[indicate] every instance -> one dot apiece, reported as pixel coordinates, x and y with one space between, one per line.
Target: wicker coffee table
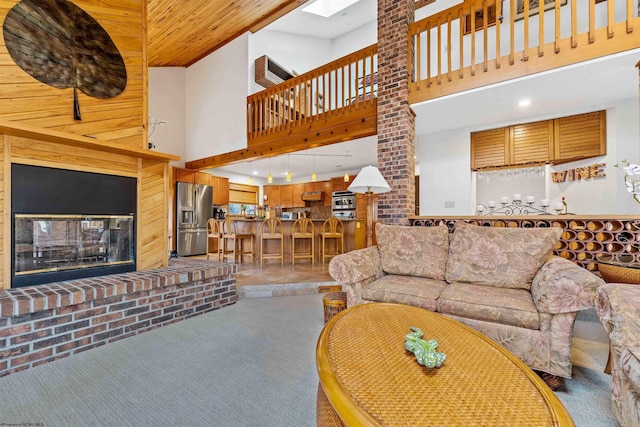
367 378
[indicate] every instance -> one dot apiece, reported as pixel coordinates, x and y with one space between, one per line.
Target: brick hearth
40 324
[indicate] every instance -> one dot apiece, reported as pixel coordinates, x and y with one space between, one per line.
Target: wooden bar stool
214 235
302 229
332 229
237 240
271 229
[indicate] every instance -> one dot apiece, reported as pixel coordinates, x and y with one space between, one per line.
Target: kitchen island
354 237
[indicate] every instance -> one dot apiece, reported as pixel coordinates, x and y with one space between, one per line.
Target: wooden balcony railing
480 42
337 88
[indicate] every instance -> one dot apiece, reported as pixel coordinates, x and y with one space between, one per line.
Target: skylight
327 8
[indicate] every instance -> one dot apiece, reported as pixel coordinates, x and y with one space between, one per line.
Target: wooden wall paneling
152 216
531 142
48 154
580 136
24 99
490 148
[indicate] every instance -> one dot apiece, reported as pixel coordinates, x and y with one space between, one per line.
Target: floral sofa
503 282
618 307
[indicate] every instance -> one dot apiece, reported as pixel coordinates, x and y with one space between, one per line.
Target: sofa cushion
513 307
494 256
413 251
409 290
630 366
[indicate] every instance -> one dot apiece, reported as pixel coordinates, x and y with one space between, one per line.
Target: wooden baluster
557 38
461 48
592 21
439 70
541 31
417 49
485 32
629 16
512 53
449 47
498 22
473 41
525 49
610 17
574 24
428 37
374 76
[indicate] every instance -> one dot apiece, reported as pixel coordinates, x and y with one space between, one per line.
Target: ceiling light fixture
269 177
250 177
288 175
524 103
326 8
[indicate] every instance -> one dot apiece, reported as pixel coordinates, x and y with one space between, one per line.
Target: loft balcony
473 44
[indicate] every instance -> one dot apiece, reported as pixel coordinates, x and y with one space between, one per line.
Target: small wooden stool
334 303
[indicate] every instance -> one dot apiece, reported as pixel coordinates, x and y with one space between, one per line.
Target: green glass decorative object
424 351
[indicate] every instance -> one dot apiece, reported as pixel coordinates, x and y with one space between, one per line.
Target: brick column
396 120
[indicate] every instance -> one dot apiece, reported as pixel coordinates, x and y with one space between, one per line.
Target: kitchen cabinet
339 184
558 140
286 196
273 195
531 142
310 186
325 187
220 190
580 136
489 148
297 190
202 178
184 175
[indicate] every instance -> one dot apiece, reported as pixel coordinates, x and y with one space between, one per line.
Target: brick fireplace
70 224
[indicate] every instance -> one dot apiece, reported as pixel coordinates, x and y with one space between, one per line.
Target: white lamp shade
369 180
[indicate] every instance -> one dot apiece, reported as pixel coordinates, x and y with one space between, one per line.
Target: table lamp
369 182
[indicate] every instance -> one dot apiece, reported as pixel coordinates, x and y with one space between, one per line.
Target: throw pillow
413 251
496 256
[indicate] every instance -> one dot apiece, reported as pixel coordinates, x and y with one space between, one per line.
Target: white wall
359 38
167 102
445 173
216 91
445 168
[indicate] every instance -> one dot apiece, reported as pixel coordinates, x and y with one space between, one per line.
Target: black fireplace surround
87 219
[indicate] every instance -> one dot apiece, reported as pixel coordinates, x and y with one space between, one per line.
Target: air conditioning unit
270 73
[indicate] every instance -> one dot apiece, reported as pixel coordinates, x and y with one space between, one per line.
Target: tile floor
273 279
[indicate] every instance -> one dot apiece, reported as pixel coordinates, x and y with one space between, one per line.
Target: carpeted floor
251 364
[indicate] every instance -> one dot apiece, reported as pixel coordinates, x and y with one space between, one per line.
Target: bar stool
332 229
302 229
214 234
271 229
237 250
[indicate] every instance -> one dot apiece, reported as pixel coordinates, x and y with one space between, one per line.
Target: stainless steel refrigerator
193 210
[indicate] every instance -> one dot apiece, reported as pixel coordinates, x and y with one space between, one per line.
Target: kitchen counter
354 237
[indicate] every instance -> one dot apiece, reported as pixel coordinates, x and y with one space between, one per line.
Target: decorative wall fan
61 45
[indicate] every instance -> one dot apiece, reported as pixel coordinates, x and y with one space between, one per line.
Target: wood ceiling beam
422 3
354 124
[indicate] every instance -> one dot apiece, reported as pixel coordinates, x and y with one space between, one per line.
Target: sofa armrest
356 266
560 286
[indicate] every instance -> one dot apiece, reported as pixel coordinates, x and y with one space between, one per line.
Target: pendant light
250 177
314 177
346 165
269 177
288 175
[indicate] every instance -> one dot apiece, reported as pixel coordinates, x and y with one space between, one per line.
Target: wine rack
583 239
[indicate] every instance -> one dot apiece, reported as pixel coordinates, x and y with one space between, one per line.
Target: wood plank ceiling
184 31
